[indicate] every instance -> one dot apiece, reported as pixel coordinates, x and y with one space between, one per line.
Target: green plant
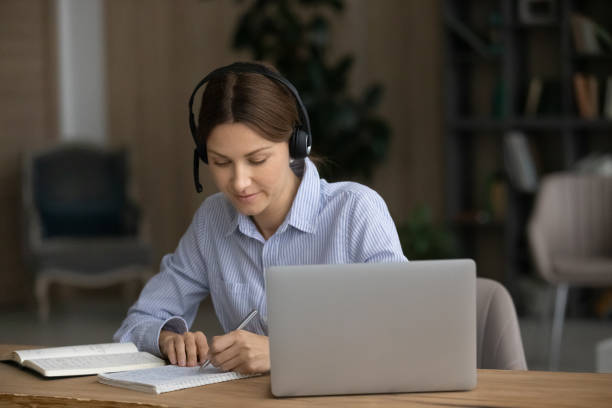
421 238
294 35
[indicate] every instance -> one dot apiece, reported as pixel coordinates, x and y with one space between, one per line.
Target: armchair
499 342
570 236
80 227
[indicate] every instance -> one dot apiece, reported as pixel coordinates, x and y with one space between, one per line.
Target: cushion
594 271
80 191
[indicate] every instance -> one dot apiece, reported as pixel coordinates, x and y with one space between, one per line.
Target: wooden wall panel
398 43
27 120
405 50
156 54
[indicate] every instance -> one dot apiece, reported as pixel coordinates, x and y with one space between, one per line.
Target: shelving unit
490 58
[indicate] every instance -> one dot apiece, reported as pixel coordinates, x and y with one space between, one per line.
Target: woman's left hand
240 351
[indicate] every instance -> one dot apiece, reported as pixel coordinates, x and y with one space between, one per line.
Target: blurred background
485 125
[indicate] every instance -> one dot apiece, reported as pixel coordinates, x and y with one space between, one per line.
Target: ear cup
299 146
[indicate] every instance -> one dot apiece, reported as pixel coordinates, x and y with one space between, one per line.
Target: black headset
300 142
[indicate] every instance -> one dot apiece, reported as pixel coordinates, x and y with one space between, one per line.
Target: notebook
372 328
168 378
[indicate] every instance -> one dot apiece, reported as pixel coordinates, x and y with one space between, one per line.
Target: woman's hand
189 348
241 351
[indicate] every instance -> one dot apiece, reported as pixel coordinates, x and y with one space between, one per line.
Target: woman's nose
241 178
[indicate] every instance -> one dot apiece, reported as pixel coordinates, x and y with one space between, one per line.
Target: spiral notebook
168 378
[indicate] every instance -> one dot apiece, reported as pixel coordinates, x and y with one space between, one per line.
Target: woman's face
251 171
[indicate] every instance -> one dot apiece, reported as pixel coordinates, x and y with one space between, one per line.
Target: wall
27 119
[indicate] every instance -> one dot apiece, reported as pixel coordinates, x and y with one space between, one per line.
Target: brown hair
253 99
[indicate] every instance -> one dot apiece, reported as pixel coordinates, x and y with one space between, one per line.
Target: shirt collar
305 207
237 220
303 212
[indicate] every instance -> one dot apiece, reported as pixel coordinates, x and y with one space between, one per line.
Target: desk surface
22 387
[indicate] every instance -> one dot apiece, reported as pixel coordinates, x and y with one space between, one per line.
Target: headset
300 141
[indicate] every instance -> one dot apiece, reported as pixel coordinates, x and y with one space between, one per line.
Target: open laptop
372 328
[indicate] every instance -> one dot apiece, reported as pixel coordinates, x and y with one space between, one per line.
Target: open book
84 360
168 378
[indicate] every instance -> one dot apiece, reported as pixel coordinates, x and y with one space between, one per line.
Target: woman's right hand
186 349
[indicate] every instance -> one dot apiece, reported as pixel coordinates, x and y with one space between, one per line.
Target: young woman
272 209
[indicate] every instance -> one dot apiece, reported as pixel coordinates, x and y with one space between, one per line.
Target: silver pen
244 322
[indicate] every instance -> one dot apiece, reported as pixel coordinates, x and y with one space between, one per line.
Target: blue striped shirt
223 254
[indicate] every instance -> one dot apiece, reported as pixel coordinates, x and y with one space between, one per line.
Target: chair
80 228
499 343
570 237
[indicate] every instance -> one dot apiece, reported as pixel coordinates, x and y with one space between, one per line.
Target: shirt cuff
176 324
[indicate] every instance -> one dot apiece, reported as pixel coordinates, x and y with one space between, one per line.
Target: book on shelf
519 162
593 95
607 108
542 97
588 35
534 94
84 359
604 36
587 95
497 196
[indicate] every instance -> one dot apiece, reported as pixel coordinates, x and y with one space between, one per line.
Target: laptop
372 328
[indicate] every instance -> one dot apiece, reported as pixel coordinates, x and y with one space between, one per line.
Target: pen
244 322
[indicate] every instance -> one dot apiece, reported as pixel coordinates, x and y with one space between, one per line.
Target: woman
272 209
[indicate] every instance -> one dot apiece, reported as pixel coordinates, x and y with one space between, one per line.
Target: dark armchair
80 227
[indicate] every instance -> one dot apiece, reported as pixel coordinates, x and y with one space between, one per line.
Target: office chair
499 343
80 227
570 237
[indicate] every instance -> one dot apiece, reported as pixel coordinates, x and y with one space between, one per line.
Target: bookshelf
496 61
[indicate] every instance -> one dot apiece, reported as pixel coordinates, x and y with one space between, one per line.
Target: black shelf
478 114
592 57
540 26
540 123
477 124
591 124
467 57
529 123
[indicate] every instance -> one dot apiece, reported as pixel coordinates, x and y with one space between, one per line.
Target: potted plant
421 238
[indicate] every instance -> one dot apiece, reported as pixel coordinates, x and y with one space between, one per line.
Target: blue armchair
80 227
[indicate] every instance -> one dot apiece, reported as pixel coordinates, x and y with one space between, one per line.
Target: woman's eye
257 162
221 164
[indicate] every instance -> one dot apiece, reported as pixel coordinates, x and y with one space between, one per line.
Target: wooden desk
22 387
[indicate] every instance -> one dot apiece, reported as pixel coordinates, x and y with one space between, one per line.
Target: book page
94 364
73 351
168 378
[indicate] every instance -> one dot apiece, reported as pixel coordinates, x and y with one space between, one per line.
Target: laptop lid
372 328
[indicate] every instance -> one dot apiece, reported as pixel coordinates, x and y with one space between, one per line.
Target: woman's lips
245 198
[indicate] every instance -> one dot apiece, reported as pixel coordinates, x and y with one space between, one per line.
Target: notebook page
83 350
168 378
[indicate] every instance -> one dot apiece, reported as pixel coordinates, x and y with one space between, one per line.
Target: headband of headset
300 142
